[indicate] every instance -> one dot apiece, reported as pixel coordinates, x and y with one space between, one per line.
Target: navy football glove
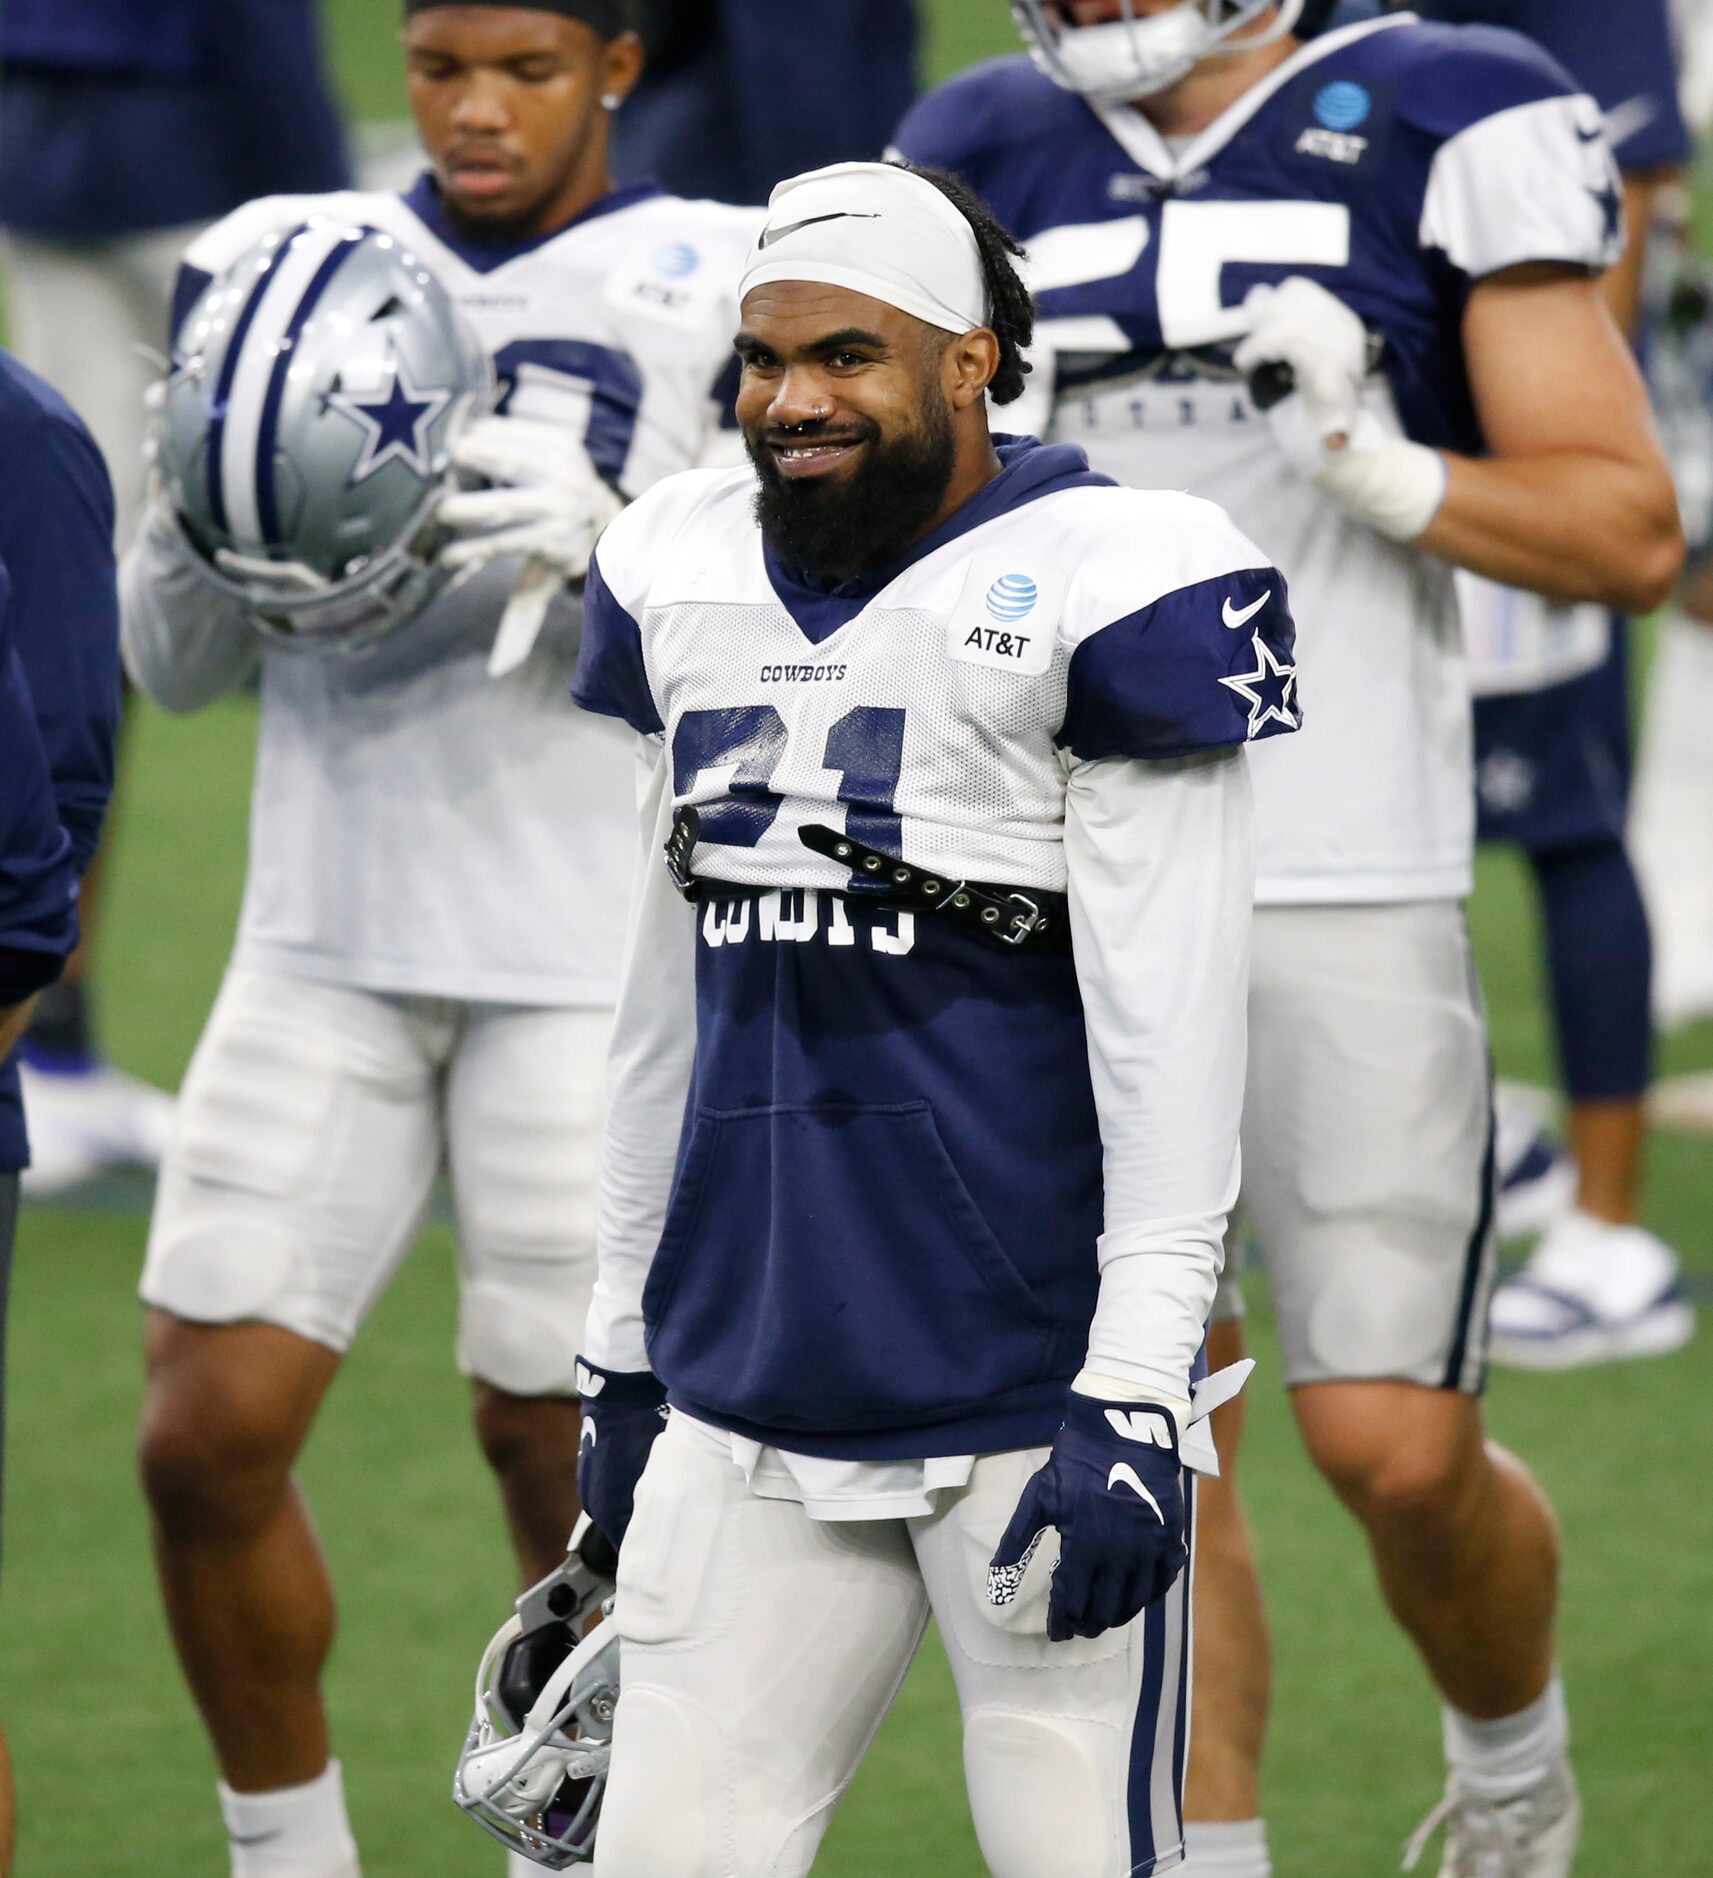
1113 1487
623 1411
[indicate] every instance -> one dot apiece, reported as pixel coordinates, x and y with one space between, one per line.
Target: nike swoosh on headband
1234 619
1123 1472
770 235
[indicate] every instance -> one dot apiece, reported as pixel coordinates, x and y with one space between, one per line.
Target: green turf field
114 1772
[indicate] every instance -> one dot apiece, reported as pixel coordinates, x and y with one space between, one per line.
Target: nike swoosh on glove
1113 1487
623 1412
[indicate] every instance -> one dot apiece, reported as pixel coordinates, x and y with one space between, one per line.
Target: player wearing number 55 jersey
910 1213
1396 225
441 848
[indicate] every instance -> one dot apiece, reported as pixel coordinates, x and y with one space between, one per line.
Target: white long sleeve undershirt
185 642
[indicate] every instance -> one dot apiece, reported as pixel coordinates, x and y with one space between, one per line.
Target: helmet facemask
533 1772
1136 56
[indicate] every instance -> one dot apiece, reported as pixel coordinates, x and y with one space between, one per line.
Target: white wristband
1105 1388
1394 485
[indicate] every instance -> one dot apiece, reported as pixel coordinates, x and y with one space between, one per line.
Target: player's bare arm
1575 501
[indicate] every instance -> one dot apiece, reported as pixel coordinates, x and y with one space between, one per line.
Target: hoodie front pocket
825 1267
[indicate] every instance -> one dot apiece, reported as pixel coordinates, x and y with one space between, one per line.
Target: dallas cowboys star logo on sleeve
395 422
1270 690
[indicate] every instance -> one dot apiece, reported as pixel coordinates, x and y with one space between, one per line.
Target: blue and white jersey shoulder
619 325
1624 59
932 710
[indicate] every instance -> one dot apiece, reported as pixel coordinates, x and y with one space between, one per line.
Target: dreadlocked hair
1011 312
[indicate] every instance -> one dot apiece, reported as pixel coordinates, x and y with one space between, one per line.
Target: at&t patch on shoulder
1008 615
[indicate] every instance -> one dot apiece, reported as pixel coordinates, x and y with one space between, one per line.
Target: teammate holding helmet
441 843
1394 230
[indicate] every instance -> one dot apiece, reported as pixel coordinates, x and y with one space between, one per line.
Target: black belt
1016 919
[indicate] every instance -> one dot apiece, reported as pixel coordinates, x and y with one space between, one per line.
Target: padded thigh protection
761 1649
1073 1752
302 1161
523 1124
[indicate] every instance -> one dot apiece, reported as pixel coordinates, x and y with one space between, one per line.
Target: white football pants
762 1649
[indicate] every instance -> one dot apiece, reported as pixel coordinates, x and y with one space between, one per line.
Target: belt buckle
1023 924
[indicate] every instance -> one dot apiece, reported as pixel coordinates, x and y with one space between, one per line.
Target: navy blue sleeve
56 539
1621 56
611 677
1202 668
38 880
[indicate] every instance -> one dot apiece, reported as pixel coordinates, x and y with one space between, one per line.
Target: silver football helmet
533 1772
306 426
1135 56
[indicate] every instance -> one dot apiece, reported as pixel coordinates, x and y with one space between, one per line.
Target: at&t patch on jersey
1008 614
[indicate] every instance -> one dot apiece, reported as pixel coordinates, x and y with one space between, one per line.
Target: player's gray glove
1113 1486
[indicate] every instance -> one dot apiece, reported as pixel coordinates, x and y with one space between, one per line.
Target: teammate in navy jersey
739 93
125 126
911 1212
1552 767
1346 289
59 703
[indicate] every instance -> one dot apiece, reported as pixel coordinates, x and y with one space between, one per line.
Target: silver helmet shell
1136 55
533 1772
306 427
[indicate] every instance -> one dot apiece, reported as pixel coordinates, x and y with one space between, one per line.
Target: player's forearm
1162 876
1572 527
648 1077
185 643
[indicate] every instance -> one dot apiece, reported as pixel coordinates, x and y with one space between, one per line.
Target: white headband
878 230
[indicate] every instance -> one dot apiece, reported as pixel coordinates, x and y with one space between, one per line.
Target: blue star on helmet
1269 691
395 423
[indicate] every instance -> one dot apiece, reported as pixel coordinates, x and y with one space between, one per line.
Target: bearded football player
912 1208
393 428
1345 286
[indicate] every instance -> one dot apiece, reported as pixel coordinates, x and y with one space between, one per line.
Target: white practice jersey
1397 164
418 826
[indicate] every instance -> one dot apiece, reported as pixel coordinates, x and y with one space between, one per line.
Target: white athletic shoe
88 1122
1591 1293
1533 1835
1537 1178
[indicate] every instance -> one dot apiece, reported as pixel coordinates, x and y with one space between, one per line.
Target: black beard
833 529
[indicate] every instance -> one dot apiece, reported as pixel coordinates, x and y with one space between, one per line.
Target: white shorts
1368 1142
762 1648
311 1127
